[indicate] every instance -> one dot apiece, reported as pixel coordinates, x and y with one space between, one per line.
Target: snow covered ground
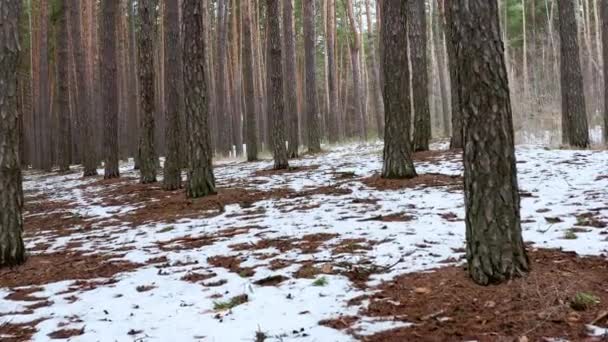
333 233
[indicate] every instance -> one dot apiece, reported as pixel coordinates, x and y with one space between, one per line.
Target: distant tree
291 97
457 133
109 86
251 129
418 56
276 106
495 248
397 149
12 250
312 112
63 96
604 11
172 173
575 130
201 181
332 77
355 44
145 41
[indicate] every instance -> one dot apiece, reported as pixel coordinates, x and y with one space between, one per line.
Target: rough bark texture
44 90
63 96
575 131
312 115
377 88
82 99
276 108
355 44
145 53
291 97
251 129
418 56
223 113
457 140
201 181
109 86
12 250
332 77
397 150
172 179
495 249
604 11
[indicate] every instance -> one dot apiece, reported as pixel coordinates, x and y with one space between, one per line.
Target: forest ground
326 251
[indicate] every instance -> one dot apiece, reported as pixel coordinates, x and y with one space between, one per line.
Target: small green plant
583 301
166 229
322 281
227 305
570 235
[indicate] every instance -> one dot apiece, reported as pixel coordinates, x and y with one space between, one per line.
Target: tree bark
63 96
604 13
251 129
223 116
172 172
397 150
312 112
418 56
276 109
12 250
291 98
355 44
495 248
332 77
201 181
145 56
109 86
457 133
377 86
574 114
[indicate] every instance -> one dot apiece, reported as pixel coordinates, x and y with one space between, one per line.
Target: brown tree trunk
63 153
291 98
574 114
44 91
418 56
377 84
201 181
441 70
397 150
145 53
109 86
332 77
312 112
604 11
495 248
12 250
251 129
355 44
457 140
276 107
223 116
172 172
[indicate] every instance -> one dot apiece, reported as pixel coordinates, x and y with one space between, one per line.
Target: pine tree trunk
495 248
457 133
355 45
604 11
332 79
291 98
172 172
377 85
145 54
44 91
63 153
109 86
417 39
201 181
12 250
440 50
574 114
397 150
222 75
251 129
312 112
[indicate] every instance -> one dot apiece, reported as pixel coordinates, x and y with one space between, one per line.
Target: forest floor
326 251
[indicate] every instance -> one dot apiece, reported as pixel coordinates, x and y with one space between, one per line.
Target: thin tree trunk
604 11
332 77
457 124
377 85
291 97
355 44
63 76
251 129
312 113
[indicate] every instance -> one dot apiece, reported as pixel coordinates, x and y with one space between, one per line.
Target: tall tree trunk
441 70
172 179
397 150
109 86
495 248
82 99
133 108
332 77
312 112
276 108
457 133
222 75
145 54
45 90
377 85
63 153
291 98
251 129
12 250
574 114
355 44
604 11
201 181
418 56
